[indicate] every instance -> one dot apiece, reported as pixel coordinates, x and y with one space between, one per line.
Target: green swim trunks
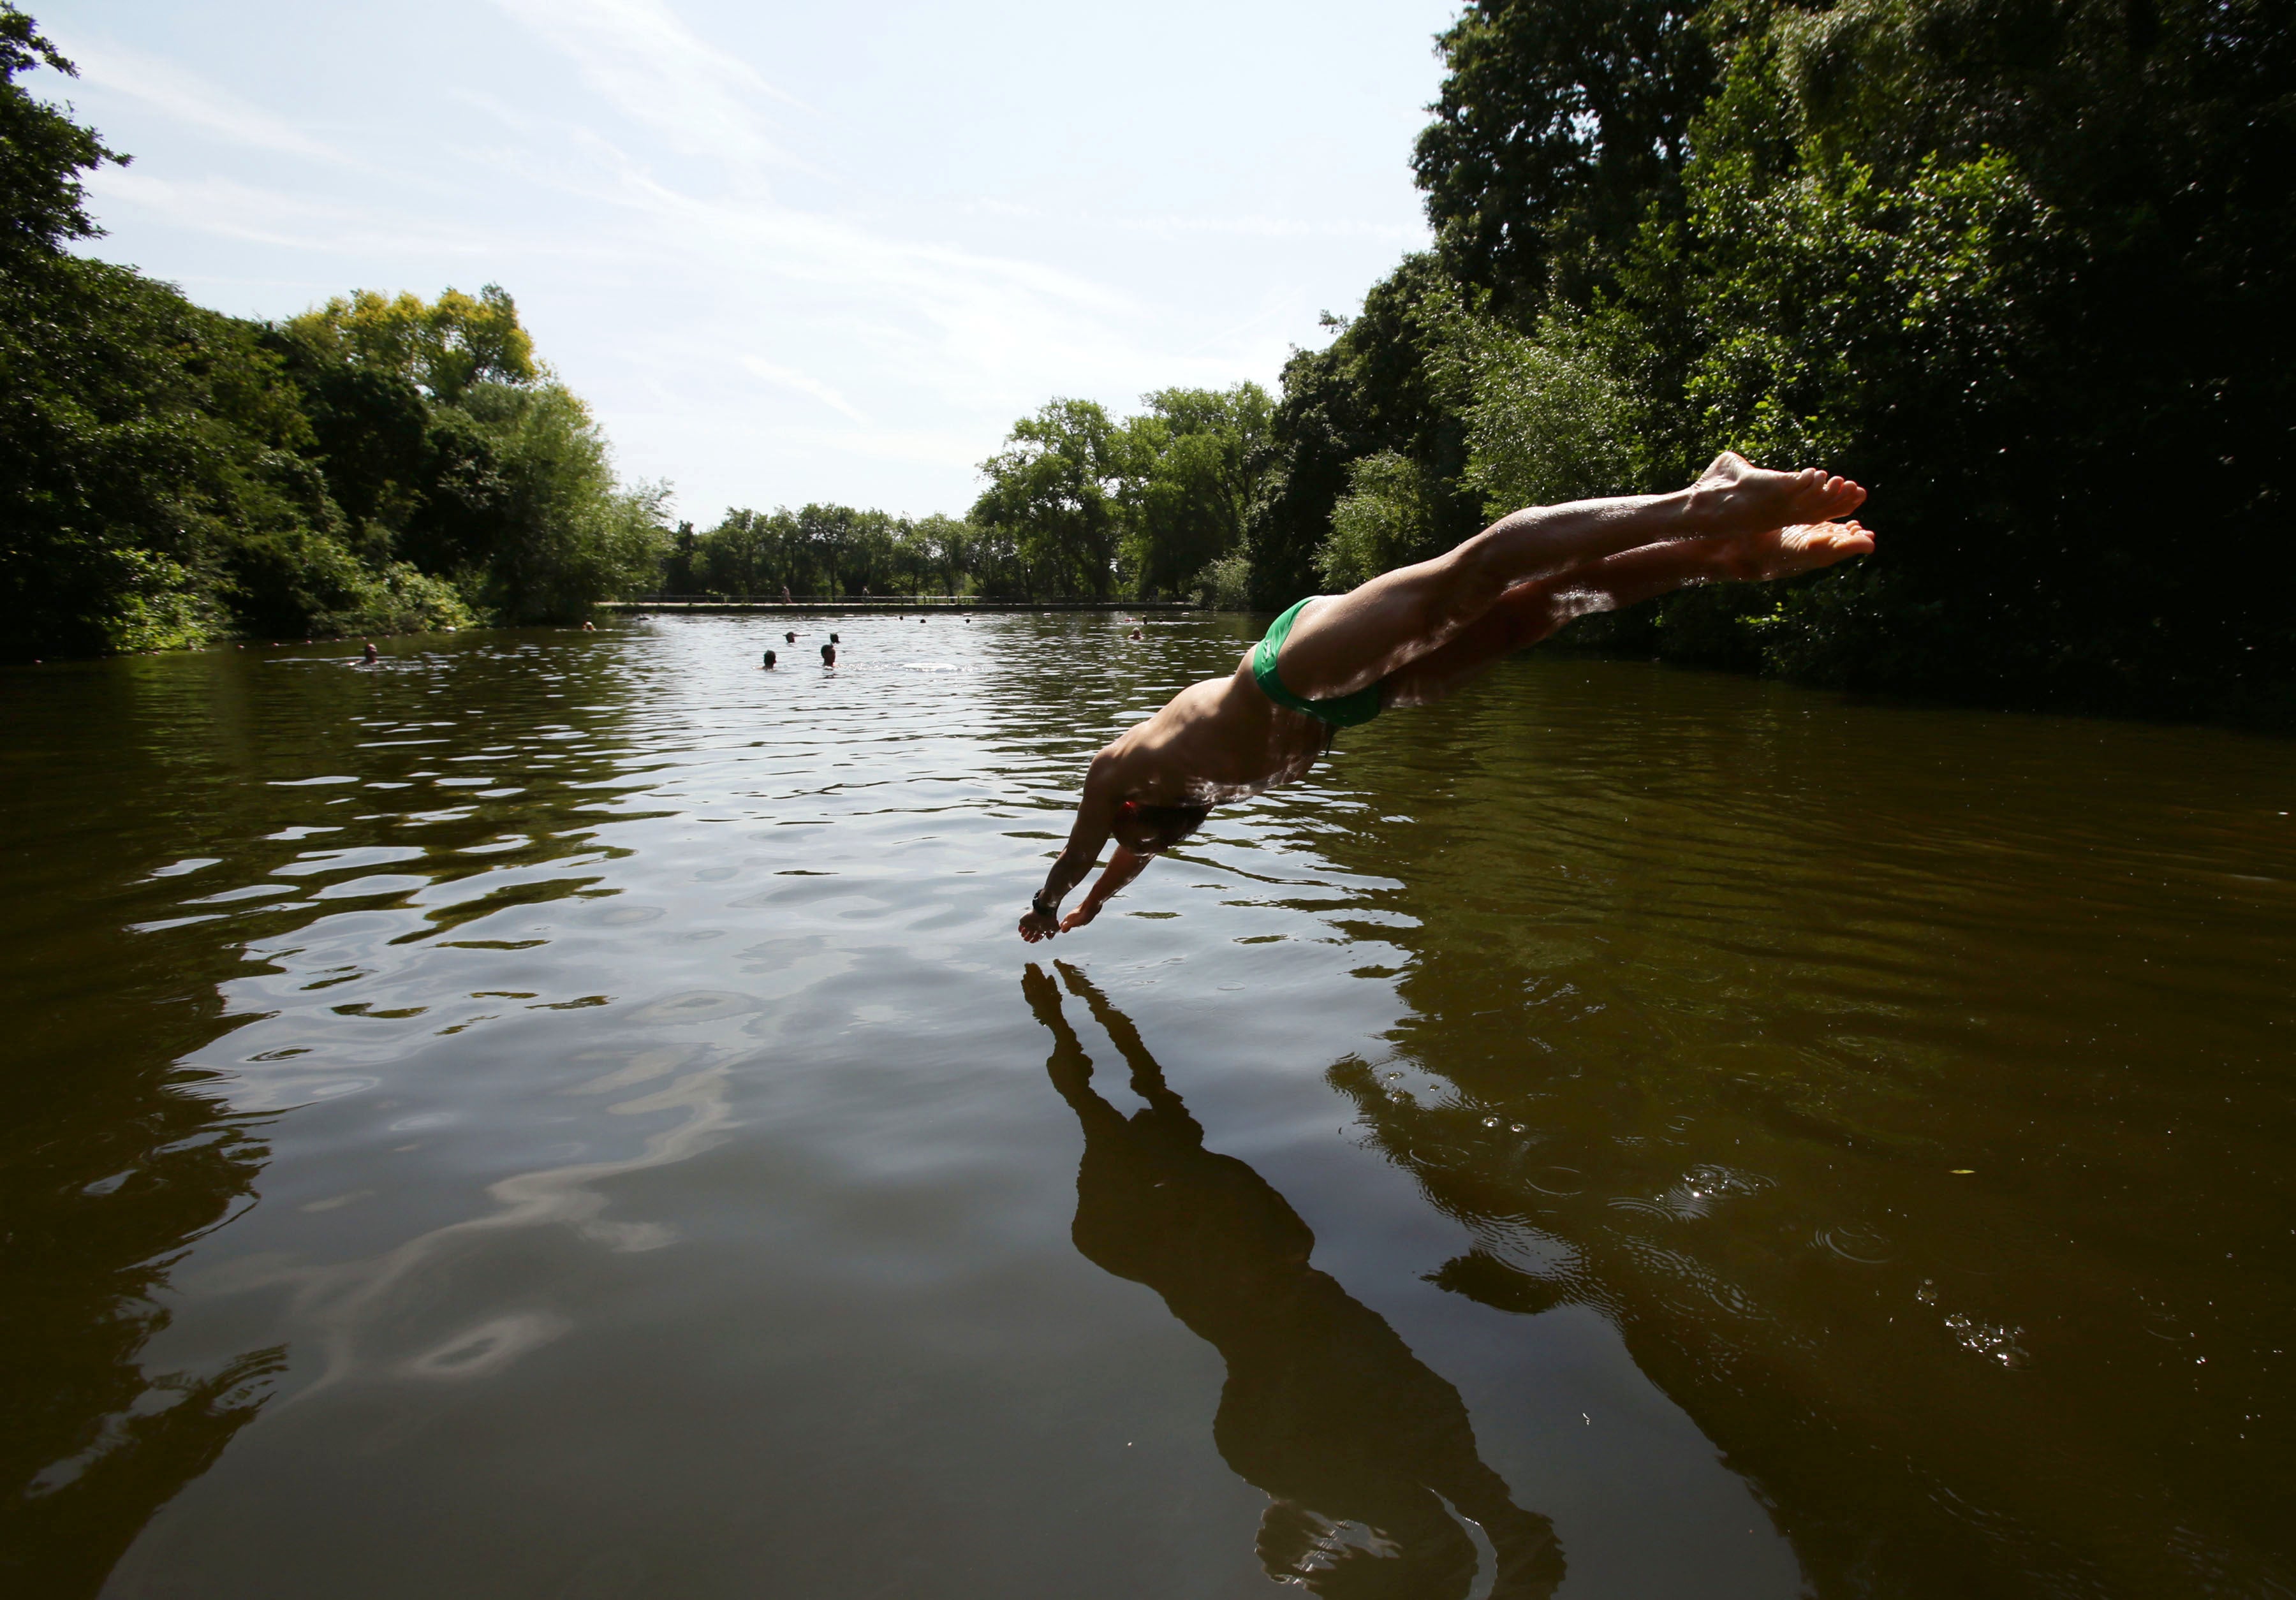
1345 711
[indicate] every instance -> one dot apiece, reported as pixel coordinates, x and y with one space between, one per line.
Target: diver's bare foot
1736 496
1787 552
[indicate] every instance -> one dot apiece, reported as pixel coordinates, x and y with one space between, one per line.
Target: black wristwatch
1037 904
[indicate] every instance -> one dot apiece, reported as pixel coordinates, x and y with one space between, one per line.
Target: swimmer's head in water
1150 830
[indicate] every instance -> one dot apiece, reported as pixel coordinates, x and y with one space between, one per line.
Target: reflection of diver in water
1326 1409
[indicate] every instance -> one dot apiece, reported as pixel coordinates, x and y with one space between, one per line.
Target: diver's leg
1531 611
1348 642
1526 614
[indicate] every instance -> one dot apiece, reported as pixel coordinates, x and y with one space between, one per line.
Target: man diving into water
1410 636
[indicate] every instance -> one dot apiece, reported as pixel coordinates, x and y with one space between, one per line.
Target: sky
787 252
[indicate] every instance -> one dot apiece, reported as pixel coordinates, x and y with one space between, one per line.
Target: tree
43 151
168 474
1560 125
1197 455
947 547
2025 267
1374 387
1058 489
679 560
1382 522
443 347
561 535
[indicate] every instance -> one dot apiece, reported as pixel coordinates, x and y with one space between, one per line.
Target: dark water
567 1116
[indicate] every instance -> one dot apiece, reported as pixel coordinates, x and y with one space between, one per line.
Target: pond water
568 1115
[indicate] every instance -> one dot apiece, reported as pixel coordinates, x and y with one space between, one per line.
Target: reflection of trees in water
1355 1442
1681 1073
129 1171
114 1162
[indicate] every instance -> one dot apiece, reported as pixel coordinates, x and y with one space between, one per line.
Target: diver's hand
1034 925
1081 916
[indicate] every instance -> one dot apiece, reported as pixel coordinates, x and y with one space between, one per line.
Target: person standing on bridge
1411 636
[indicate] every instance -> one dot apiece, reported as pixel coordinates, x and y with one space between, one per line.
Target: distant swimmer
829 655
370 653
833 639
789 638
1133 635
770 660
1411 636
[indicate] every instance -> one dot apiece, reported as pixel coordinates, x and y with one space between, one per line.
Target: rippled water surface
568 1115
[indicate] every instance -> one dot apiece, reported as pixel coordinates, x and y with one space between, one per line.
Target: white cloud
789 377
189 98
967 324
231 210
1270 228
659 72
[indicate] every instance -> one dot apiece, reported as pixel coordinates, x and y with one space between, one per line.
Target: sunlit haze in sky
787 252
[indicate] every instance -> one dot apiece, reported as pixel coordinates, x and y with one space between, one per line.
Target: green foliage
1561 123
443 347
828 550
136 443
946 554
1385 520
1226 585
1078 503
1833 302
1546 421
1378 386
2026 269
168 475
155 603
1058 487
561 535
1193 465
43 151
400 599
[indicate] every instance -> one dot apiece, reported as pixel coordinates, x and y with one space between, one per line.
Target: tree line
171 475
1080 505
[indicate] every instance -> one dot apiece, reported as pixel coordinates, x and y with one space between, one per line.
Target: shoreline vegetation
2022 268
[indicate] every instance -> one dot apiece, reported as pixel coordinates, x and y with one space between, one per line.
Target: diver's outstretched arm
1123 867
1095 810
